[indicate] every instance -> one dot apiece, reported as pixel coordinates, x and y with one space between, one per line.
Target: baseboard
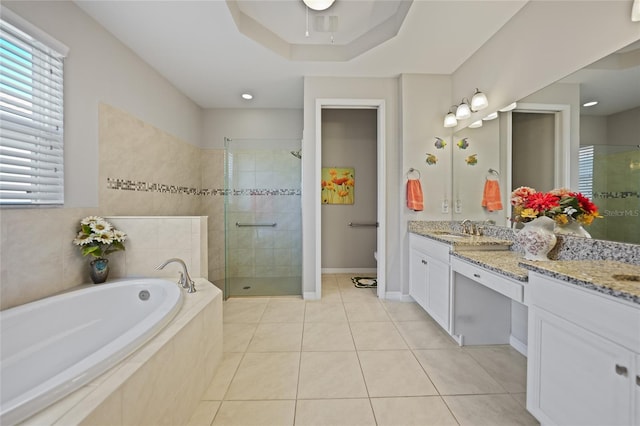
310 295
349 270
518 345
396 295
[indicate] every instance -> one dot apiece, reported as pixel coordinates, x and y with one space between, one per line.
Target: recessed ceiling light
590 103
247 96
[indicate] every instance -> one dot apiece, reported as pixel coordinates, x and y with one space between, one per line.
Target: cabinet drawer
510 288
435 249
614 319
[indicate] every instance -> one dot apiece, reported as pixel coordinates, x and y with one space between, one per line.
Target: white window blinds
585 171
31 115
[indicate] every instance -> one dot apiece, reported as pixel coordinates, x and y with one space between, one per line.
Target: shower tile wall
265 188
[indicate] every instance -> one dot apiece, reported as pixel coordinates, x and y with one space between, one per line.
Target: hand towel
414 195
491 195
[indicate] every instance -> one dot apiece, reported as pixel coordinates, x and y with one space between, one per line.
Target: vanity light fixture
590 103
635 11
509 107
475 124
247 96
479 101
318 4
463 111
491 116
450 119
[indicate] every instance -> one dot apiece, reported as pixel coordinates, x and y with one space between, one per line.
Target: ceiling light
491 116
463 111
590 103
247 96
509 107
475 124
479 101
318 4
450 119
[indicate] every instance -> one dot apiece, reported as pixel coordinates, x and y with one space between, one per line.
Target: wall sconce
463 111
450 119
479 101
491 116
475 124
509 107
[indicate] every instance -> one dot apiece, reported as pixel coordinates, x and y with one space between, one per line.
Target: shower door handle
271 225
356 225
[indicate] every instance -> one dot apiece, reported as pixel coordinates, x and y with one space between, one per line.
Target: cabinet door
418 277
438 292
576 377
636 382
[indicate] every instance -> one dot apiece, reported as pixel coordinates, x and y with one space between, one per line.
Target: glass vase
537 238
99 270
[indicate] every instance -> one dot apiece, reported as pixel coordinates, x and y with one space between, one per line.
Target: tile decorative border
620 194
140 186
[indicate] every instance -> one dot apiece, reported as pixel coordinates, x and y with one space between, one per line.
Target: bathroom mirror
602 148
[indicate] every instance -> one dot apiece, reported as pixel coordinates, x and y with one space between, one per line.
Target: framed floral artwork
338 185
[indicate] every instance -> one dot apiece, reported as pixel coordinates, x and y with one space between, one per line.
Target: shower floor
265 286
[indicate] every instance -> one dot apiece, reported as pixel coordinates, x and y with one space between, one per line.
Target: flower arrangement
561 205
98 238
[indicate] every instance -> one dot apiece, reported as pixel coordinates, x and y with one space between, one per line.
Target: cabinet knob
476 275
621 370
638 380
424 262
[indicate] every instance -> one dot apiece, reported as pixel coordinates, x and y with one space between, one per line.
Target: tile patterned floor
351 359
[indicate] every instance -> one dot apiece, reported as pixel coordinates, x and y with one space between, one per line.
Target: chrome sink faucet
185 280
467 227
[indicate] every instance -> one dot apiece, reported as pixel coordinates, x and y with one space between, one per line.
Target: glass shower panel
616 191
263 211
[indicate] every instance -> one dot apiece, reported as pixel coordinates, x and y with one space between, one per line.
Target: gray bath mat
365 282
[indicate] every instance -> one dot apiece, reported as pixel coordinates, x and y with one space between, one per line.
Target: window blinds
585 171
31 116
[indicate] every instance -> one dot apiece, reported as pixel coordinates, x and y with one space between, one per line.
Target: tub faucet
185 280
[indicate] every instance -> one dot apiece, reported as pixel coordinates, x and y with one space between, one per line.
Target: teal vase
99 270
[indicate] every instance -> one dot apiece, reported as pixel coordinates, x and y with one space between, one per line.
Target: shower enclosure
263 212
611 175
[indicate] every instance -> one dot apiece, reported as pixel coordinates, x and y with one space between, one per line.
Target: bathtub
56 345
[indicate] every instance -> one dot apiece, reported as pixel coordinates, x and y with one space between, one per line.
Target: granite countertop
458 240
505 262
610 277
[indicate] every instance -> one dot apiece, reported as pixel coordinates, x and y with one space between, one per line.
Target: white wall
623 128
345 88
544 42
100 68
593 130
250 123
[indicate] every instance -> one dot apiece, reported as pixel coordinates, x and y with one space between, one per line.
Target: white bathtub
55 345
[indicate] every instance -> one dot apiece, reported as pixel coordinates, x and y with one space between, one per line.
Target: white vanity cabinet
584 361
429 282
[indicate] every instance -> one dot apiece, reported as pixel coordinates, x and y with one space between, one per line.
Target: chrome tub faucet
185 279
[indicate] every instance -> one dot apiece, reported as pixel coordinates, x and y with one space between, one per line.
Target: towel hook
411 170
494 172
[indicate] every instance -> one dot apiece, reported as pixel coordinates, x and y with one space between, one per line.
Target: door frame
338 103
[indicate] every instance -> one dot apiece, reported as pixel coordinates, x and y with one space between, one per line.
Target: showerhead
297 154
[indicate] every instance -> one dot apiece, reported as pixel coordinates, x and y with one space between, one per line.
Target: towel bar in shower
239 225
358 225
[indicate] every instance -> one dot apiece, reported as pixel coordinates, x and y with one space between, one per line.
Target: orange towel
491 195
414 195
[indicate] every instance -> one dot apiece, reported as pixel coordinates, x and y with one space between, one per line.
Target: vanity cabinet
429 282
584 361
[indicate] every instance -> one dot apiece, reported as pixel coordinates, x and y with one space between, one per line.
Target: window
31 114
585 171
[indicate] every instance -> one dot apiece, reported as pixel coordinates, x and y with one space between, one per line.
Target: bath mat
364 282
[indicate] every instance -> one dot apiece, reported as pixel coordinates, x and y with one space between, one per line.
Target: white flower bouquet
98 238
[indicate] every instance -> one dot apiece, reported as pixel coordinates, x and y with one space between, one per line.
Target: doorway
349 191
379 106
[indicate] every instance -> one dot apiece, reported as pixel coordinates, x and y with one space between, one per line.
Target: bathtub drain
144 295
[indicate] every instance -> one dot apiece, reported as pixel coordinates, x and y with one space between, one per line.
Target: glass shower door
263 212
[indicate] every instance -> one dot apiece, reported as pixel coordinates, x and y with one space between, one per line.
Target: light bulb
463 111
479 101
450 120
